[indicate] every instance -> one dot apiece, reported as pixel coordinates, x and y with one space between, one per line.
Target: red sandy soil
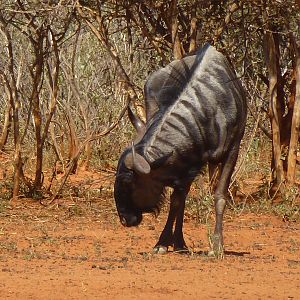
77 249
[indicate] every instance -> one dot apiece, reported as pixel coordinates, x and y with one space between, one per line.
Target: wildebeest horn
137 162
137 123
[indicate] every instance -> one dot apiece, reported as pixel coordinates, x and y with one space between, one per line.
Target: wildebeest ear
137 163
160 161
137 123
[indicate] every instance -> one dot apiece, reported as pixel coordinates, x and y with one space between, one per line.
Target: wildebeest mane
166 84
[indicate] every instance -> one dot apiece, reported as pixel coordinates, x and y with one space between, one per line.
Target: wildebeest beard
137 194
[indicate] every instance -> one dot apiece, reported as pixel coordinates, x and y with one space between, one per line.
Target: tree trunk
12 91
73 141
292 155
193 36
35 98
177 46
6 126
275 107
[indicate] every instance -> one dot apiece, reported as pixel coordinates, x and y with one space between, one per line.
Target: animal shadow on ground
226 253
197 253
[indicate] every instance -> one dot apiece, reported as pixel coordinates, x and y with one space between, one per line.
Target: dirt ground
77 249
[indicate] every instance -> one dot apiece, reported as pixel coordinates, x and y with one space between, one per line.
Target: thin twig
242 161
80 149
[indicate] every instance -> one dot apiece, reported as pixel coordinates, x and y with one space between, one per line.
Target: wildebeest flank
196 114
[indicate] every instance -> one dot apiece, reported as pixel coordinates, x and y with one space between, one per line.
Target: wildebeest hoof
216 243
217 254
211 253
160 250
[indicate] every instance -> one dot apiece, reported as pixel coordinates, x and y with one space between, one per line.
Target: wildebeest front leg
176 213
221 196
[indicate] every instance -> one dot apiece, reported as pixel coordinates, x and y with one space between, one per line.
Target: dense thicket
69 69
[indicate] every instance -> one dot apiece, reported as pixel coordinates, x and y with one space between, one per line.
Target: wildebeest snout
130 219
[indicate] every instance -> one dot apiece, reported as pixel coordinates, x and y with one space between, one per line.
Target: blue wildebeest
196 114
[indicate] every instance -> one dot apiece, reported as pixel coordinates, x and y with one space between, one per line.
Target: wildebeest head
136 191
130 167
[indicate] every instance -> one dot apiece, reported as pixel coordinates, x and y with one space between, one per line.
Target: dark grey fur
196 114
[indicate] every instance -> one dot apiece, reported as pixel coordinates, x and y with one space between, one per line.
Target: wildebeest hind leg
176 213
221 196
